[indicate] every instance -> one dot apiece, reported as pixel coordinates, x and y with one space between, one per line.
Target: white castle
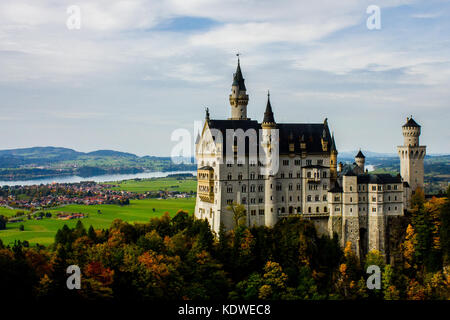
349 203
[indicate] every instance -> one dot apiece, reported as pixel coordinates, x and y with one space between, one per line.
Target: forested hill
40 162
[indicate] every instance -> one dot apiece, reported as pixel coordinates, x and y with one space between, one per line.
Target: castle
290 169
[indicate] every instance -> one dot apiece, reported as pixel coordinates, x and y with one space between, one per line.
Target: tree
239 213
3 222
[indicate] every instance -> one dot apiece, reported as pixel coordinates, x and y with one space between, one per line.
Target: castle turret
268 130
360 161
238 96
411 155
333 159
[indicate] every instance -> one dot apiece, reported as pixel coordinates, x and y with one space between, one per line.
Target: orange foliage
97 271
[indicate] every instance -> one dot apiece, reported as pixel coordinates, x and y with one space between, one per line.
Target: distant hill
40 162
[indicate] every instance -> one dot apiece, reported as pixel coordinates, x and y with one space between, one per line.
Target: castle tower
333 160
360 161
238 96
269 129
411 155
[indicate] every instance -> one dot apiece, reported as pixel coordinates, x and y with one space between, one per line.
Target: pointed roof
360 155
411 123
238 79
268 114
333 144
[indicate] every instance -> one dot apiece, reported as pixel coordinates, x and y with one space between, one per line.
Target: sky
137 70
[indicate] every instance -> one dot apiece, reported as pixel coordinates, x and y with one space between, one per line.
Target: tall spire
238 97
238 79
268 114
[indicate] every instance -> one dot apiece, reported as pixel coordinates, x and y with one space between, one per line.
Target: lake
100 178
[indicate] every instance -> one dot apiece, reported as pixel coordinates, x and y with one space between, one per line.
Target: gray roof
238 79
411 123
288 132
268 114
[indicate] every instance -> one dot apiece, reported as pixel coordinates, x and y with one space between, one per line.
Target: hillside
42 162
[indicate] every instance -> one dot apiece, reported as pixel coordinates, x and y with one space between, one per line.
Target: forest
179 258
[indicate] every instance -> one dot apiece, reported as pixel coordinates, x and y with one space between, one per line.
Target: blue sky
137 70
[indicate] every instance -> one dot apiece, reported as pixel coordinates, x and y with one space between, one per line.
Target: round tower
269 137
360 160
411 133
333 159
238 96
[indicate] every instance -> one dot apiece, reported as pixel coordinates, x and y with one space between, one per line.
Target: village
39 197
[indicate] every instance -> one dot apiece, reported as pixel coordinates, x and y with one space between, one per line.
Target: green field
9 212
171 184
43 231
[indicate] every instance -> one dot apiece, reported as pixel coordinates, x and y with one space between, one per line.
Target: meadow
170 184
43 231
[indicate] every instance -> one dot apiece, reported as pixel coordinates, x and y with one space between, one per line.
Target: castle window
253 212
319 162
290 187
389 187
374 209
325 209
244 200
297 162
374 188
240 176
244 188
324 197
379 188
298 175
261 200
308 162
317 198
317 209
325 187
309 209
290 198
298 186
253 201
389 208
324 174
283 210
395 187
374 199
337 209
395 198
290 174
351 189
229 201
336 198
308 174
351 210
229 189
285 162
252 176
229 165
229 177
282 175
279 187
298 198
260 188
309 198
395 208
282 199
261 212
351 199
252 188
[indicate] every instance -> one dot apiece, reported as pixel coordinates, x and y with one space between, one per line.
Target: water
100 178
